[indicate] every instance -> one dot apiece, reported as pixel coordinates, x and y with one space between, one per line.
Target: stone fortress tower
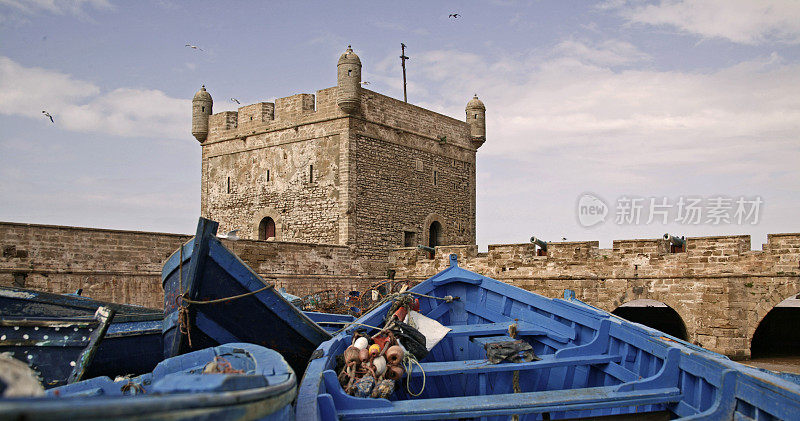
346 166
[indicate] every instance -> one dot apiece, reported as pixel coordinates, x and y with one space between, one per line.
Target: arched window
266 229
435 234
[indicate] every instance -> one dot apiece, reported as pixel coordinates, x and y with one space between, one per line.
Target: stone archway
684 314
262 219
654 314
435 234
266 229
776 334
438 223
772 299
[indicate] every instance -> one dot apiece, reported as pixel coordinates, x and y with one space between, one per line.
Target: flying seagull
231 235
454 15
46 114
235 100
194 47
563 238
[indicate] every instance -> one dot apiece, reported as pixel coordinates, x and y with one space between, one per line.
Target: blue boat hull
49 332
52 347
20 302
329 321
256 383
592 364
247 309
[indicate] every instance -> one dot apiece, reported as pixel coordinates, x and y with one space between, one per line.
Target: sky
605 120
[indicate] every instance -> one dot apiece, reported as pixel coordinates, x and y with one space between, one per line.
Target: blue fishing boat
567 360
331 322
53 347
51 331
230 382
21 302
211 297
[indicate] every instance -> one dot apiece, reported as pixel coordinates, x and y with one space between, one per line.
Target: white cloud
621 126
81 106
609 52
569 120
60 7
741 21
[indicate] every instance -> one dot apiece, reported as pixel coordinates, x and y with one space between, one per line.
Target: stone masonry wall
125 266
412 167
296 184
719 287
282 161
111 265
410 199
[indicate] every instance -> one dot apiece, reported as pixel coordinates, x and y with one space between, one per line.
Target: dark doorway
777 335
655 314
266 229
435 234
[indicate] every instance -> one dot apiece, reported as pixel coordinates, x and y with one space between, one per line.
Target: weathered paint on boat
49 332
592 364
177 389
209 271
52 346
21 302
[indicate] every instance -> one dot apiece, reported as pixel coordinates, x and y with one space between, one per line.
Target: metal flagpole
403 59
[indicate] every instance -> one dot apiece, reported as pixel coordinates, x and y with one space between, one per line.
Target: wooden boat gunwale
178 405
75 305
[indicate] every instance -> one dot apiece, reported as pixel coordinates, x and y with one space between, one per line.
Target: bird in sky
235 100
46 114
563 238
454 15
194 47
365 83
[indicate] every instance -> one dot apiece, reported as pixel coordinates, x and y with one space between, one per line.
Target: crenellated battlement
627 258
261 117
427 128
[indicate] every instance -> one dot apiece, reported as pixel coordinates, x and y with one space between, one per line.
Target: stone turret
476 118
201 109
348 79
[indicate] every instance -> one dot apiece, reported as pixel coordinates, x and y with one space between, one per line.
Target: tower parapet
201 109
476 118
348 78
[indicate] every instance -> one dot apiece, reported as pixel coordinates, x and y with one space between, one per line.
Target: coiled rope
132 387
408 363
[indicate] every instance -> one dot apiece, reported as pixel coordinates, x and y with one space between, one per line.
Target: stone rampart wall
125 266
